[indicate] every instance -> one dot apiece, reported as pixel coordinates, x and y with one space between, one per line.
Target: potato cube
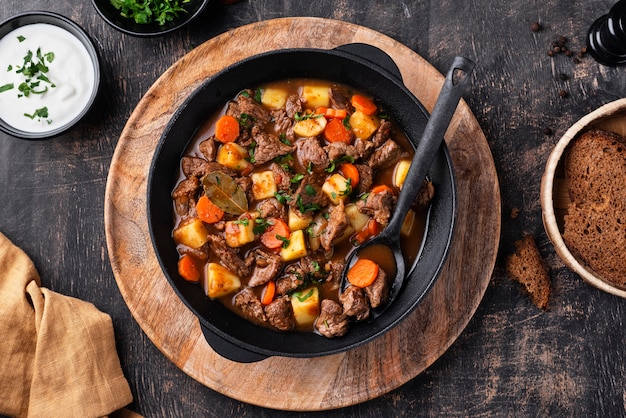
310 127
306 306
337 188
407 225
263 185
358 220
191 233
296 248
220 281
363 126
314 231
316 96
233 156
400 172
296 221
274 98
240 231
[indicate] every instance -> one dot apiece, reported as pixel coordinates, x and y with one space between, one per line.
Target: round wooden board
318 383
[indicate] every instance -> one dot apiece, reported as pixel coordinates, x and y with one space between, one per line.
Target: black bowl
230 335
28 18
113 17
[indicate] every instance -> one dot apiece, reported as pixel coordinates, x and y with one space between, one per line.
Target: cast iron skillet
228 334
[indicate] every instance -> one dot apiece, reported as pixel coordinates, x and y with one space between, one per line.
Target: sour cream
71 71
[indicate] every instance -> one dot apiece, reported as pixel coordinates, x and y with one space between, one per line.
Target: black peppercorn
563 93
535 27
563 77
547 131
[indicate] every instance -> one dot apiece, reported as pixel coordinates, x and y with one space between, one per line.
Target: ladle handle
433 134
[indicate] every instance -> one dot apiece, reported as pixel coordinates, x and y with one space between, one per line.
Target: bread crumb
527 267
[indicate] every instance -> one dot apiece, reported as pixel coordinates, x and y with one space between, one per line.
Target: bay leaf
225 193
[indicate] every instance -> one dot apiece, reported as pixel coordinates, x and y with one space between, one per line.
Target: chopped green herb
20 38
304 116
148 11
310 190
257 95
283 139
39 113
297 178
6 87
261 225
282 198
301 297
242 221
285 240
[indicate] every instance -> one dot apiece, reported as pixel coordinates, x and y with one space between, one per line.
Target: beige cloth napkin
57 353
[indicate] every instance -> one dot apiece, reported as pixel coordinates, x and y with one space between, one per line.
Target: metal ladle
432 137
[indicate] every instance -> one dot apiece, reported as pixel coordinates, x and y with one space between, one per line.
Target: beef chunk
194 166
425 195
378 291
293 105
335 271
310 153
254 112
387 154
283 124
199 167
363 148
337 222
289 283
268 146
185 194
336 150
366 178
382 134
267 267
281 177
354 303
250 306
378 205
228 256
331 322
309 196
208 148
272 208
279 314
339 100
313 266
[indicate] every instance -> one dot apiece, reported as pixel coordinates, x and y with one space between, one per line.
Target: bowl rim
63 22
546 196
151 29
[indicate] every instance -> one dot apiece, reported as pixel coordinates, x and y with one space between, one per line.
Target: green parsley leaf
6 87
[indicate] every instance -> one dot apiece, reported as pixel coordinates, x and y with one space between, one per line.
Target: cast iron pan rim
243 345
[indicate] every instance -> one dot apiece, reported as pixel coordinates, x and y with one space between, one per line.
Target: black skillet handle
372 54
229 350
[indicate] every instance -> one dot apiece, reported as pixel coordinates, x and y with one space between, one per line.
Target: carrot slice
188 268
335 131
226 129
276 234
350 171
380 188
329 112
363 272
268 293
371 229
363 104
207 211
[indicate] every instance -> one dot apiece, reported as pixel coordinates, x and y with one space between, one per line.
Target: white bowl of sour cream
49 75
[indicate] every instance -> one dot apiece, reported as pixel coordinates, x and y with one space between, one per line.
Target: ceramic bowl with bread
583 198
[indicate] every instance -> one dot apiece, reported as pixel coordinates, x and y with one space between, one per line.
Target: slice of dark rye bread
527 267
595 223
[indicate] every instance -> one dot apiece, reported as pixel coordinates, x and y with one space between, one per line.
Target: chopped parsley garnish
306 207
310 190
304 116
282 198
242 221
301 297
6 87
283 139
257 95
261 225
285 240
297 178
20 38
148 11
40 113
